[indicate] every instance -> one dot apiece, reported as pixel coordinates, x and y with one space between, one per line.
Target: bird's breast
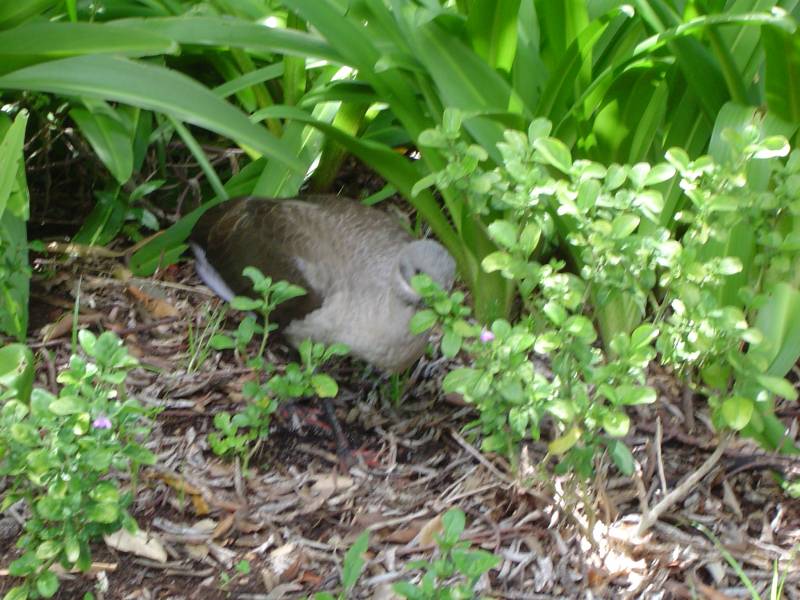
374 327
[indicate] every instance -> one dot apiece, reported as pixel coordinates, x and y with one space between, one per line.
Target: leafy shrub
16 372
56 453
628 266
268 295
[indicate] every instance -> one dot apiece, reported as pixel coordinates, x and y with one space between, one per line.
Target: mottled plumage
354 262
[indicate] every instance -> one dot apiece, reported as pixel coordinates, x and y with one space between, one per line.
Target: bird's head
423 257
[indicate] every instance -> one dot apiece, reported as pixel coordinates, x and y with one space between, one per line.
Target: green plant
236 433
513 398
16 372
352 566
268 296
56 453
242 568
695 286
778 579
267 388
14 269
609 77
619 82
455 560
199 337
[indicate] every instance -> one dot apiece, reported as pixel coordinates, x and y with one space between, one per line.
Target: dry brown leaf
245 526
596 578
311 578
197 551
405 534
63 325
224 526
153 300
427 535
283 559
140 543
200 505
710 593
326 485
283 590
205 525
121 273
177 482
291 572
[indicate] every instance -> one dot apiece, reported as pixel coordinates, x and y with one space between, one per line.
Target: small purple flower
486 336
102 422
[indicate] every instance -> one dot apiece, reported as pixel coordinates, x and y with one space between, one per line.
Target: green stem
349 119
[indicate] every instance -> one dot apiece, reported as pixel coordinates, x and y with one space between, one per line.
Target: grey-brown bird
355 263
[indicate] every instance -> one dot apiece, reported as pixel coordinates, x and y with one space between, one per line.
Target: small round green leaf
554 153
324 385
433 139
631 395
659 174
562 444
496 261
19 592
244 304
48 549
529 238
451 343
87 341
453 522
16 370
737 412
616 423
221 342
730 265
460 379
624 225
504 233
103 513
422 321
622 457
67 405
47 584
778 386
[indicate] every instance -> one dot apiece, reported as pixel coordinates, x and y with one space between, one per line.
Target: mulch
293 513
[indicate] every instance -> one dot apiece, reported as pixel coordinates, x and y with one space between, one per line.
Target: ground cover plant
617 183
56 453
696 320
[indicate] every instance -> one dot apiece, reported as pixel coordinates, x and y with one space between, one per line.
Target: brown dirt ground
294 513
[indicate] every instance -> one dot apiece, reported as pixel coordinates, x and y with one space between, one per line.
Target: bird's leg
343 450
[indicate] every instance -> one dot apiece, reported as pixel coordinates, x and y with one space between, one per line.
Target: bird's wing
263 234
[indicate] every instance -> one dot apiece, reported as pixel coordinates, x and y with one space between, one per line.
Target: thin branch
683 489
